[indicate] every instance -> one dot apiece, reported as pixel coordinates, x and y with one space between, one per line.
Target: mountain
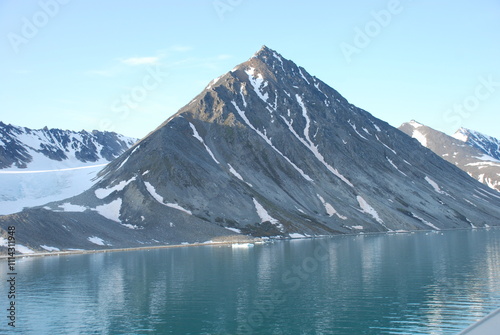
42 165
488 145
22 148
471 151
264 150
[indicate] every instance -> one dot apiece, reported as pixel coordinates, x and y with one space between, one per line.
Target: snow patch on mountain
395 166
309 143
243 97
19 247
385 145
102 193
420 137
111 210
152 191
236 230
303 77
24 250
268 141
199 138
264 215
353 126
131 226
460 136
367 209
425 222
415 124
237 175
329 208
258 83
69 207
435 186
96 240
46 247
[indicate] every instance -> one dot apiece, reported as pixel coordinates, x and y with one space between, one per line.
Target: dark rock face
265 150
18 145
472 152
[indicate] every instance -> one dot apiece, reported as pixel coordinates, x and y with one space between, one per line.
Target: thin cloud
224 57
141 60
121 65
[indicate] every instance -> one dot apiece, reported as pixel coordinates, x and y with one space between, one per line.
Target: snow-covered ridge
48 149
487 144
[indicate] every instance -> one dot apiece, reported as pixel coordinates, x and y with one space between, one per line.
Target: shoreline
96 251
252 240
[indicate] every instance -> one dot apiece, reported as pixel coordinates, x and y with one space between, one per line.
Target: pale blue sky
434 61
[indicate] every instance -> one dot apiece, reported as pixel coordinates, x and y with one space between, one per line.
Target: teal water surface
419 283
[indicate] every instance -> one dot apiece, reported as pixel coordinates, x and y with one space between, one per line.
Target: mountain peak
414 124
269 58
462 134
263 51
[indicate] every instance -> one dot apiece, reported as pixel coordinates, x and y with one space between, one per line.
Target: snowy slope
487 144
45 165
37 187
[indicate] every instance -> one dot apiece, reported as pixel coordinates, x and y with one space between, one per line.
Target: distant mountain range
265 150
42 165
22 147
473 152
487 144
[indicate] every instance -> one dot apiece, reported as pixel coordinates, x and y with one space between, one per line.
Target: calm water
422 283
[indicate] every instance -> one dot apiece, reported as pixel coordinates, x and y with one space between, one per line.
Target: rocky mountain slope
265 150
471 151
43 165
